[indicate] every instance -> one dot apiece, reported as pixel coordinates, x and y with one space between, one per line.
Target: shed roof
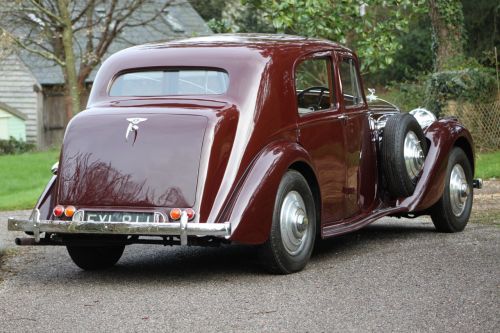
13 111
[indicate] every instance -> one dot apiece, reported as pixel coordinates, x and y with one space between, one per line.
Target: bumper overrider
183 228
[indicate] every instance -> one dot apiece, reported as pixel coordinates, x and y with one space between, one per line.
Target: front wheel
293 229
95 257
451 213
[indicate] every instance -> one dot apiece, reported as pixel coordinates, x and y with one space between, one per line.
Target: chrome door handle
343 117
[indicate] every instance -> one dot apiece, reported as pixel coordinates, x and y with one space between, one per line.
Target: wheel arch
467 147
250 209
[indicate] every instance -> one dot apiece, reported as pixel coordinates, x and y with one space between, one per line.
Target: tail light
190 213
175 214
69 211
58 211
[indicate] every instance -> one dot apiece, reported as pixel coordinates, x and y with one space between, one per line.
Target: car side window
313 85
351 92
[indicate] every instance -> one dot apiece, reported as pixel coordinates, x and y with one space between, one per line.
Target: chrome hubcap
459 190
294 223
413 155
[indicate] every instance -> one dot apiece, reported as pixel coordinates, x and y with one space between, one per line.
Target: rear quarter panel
250 209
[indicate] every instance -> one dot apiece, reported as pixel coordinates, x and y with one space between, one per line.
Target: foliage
412 59
482 26
23 178
220 26
371 28
241 16
468 84
415 58
451 12
14 146
407 95
209 10
487 165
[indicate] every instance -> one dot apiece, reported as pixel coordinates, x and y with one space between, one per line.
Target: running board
348 226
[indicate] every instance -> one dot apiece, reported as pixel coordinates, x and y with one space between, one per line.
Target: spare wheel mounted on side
403 154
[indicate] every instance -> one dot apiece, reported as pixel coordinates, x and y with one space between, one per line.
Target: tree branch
42 53
45 11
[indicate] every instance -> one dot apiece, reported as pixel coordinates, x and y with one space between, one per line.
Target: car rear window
170 82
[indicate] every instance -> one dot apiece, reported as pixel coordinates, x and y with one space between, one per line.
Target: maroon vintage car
250 139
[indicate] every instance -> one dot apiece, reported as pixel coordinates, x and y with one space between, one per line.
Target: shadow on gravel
145 264
349 244
149 264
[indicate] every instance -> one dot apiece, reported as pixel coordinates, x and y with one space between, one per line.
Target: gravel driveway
394 275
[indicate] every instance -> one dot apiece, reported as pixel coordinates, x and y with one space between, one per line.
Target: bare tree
75 35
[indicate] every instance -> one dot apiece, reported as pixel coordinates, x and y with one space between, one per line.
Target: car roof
243 56
253 40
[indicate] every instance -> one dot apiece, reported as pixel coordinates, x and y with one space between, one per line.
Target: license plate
118 217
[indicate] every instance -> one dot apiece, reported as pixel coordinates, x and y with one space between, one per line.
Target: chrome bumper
181 229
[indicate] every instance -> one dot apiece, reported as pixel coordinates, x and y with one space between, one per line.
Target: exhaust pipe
25 241
29 241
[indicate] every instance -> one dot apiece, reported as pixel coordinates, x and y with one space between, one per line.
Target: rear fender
45 201
251 209
442 136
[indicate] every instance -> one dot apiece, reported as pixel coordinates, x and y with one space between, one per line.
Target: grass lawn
488 165
23 178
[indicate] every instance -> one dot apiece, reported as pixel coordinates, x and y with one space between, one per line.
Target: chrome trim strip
54 168
182 229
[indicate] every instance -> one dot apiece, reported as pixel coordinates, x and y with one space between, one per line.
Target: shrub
406 95
14 146
470 85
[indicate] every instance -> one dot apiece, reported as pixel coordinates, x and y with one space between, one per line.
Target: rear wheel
95 257
451 213
293 230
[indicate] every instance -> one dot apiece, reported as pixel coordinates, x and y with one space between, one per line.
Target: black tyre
451 213
92 258
293 230
403 154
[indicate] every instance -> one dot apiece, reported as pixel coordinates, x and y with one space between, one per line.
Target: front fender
251 209
443 135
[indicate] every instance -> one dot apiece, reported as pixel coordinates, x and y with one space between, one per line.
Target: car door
320 129
360 158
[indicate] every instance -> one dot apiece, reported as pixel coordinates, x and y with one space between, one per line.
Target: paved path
395 275
7 238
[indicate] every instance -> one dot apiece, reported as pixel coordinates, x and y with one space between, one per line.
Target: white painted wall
16 90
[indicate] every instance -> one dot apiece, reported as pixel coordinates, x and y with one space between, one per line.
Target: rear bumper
181 229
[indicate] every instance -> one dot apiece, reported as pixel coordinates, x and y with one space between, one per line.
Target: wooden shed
12 123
